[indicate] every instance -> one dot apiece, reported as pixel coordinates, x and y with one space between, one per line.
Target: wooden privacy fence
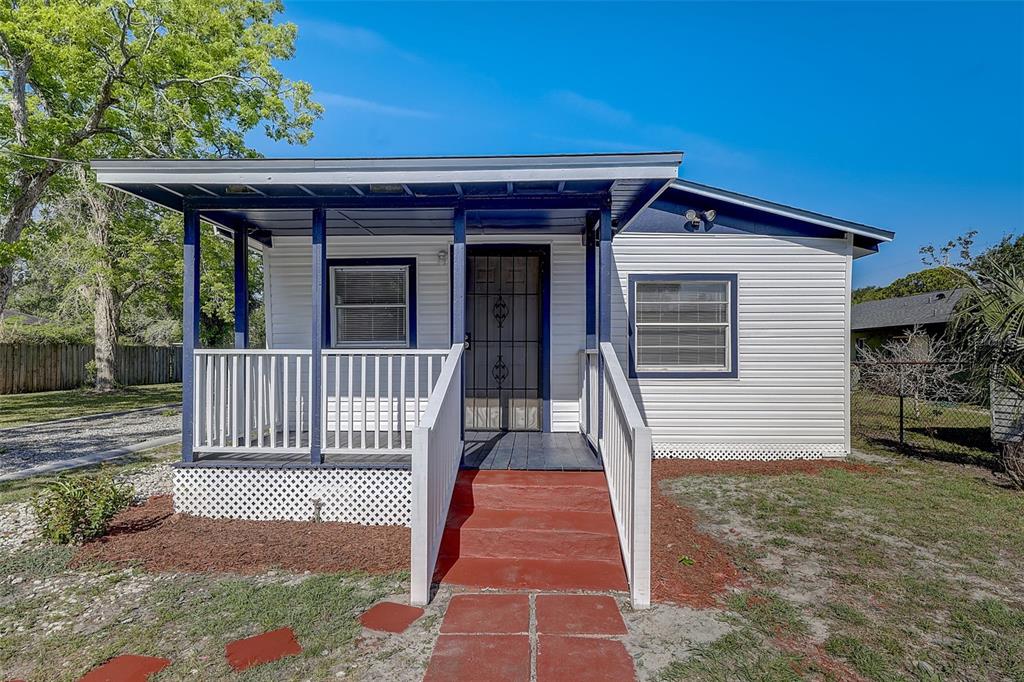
29 368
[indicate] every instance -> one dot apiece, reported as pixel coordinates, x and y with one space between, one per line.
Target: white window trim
726 367
334 308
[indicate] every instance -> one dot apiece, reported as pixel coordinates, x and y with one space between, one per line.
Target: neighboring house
416 305
874 323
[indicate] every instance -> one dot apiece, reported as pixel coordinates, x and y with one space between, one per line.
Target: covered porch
301 416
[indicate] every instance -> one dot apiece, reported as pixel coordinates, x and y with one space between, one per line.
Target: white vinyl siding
792 300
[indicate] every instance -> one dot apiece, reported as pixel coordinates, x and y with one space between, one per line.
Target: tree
916 365
921 282
151 78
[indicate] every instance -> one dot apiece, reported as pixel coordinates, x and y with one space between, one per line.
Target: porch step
531 530
535 544
556 495
532 574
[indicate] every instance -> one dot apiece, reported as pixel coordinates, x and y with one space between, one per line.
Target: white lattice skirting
723 451
372 497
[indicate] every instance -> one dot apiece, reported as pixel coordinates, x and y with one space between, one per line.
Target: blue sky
905 116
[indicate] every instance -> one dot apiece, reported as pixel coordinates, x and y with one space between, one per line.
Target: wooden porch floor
520 450
528 450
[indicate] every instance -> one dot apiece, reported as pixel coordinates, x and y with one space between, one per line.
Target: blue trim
604 317
591 257
544 251
733 281
409 262
241 253
190 331
317 333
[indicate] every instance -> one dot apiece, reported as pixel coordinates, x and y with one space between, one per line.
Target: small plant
90 373
79 509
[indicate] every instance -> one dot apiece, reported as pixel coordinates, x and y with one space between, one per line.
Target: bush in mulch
154 536
77 509
689 567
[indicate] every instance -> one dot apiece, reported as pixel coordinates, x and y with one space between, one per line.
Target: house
874 323
420 307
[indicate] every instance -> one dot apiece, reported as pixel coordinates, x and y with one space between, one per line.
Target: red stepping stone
270 646
127 668
578 614
582 658
390 617
487 613
495 658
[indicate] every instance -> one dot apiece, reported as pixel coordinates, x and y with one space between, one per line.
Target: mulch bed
689 567
160 540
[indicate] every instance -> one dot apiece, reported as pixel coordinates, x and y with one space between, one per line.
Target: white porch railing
436 455
373 398
258 400
252 400
589 379
626 450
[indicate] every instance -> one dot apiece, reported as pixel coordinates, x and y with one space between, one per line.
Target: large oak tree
151 78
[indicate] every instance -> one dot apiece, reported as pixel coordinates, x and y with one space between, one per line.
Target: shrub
78 509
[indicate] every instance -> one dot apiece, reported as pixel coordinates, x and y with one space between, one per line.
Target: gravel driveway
33 444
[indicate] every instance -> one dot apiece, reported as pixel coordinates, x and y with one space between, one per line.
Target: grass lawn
915 572
29 408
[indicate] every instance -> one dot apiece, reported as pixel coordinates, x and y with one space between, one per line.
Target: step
551 498
531 574
541 479
528 544
533 519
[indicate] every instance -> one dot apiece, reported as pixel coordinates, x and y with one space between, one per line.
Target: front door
503 316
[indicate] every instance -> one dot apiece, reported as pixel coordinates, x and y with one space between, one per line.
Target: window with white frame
683 324
371 305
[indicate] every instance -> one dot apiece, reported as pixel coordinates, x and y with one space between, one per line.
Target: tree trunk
106 298
28 191
107 320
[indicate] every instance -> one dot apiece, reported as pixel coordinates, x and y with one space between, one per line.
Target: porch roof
268 197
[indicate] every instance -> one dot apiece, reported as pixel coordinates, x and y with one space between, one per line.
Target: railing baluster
401 399
376 401
285 361
209 400
362 417
259 401
351 401
298 401
323 401
391 393
416 390
272 400
337 400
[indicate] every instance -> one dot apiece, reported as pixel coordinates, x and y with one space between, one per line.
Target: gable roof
935 307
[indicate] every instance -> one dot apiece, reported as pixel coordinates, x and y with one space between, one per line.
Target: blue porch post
604 318
190 332
591 254
241 243
319 273
459 297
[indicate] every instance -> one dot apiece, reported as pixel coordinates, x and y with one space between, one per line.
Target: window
683 325
372 305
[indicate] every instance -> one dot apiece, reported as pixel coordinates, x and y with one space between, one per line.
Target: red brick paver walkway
524 637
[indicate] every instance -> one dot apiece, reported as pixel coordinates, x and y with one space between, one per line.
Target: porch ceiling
555 193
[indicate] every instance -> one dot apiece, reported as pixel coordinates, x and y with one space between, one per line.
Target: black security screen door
503 363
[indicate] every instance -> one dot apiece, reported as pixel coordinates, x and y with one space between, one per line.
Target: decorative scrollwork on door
500 311
499 372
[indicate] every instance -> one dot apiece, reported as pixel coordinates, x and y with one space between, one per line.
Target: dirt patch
688 567
160 540
674 468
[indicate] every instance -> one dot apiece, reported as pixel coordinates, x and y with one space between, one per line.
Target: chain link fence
927 409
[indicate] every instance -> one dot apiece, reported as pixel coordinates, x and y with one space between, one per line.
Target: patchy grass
90 617
915 572
22 490
31 408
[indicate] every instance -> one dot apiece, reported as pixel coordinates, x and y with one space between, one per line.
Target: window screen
371 306
682 325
